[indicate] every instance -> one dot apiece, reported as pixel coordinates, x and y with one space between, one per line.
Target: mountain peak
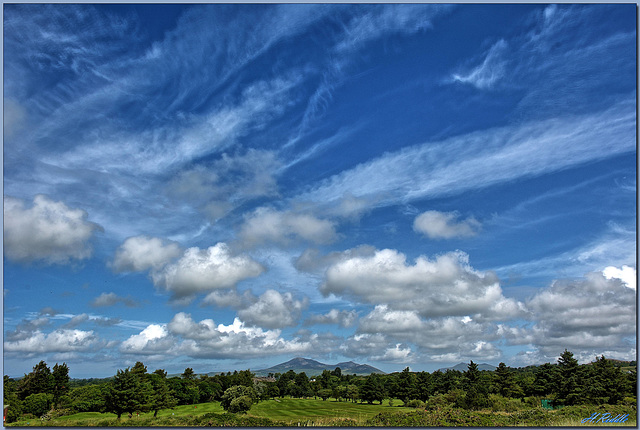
312 367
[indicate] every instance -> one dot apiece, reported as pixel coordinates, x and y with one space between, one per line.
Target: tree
188 374
161 397
406 385
38 404
569 389
505 382
546 380
38 381
11 399
324 393
302 387
60 378
238 398
127 393
607 383
88 398
373 389
476 388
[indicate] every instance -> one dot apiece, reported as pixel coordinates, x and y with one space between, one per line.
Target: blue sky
230 186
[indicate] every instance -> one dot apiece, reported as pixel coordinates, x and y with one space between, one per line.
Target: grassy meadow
292 412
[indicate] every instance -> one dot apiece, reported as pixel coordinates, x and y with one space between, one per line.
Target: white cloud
205 270
334 316
459 164
383 19
141 253
443 225
445 286
584 316
48 231
274 310
268 225
184 336
492 69
626 274
151 340
61 340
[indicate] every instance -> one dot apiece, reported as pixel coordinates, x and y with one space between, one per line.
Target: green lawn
287 410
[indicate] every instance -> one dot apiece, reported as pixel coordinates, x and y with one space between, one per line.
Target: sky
227 187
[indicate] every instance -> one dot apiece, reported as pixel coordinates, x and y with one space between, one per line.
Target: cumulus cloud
445 286
140 253
205 270
48 231
311 260
151 340
268 225
204 339
444 225
626 274
274 310
584 316
61 340
334 316
112 299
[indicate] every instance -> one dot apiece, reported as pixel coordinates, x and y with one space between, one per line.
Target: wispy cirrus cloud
492 69
460 164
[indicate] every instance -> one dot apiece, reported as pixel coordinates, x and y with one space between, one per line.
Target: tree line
46 392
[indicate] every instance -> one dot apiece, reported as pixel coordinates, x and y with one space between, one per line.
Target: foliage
38 404
88 398
128 392
238 399
38 381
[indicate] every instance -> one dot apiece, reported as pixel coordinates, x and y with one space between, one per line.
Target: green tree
11 398
570 387
424 387
373 389
324 393
88 398
38 381
188 374
406 385
302 387
607 383
546 380
161 396
127 393
238 398
60 376
38 404
475 386
505 382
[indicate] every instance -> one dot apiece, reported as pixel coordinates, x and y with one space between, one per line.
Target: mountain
463 367
313 367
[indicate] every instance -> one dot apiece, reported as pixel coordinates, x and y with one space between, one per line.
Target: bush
499 403
237 399
418 404
38 404
240 404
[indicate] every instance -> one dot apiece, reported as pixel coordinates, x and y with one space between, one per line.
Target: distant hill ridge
463 367
313 367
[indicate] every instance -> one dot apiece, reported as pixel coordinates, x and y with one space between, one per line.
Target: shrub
38 404
418 404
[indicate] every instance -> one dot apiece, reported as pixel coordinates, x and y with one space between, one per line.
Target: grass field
311 412
290 411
